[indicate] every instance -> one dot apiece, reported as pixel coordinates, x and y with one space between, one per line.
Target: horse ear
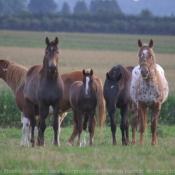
151 43
56 40
47 40
107 76
91 72
83 71
140 43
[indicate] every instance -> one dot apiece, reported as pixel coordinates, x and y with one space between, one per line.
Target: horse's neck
44 74
152 78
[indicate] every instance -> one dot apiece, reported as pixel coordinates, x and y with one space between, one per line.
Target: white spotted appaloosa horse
149 88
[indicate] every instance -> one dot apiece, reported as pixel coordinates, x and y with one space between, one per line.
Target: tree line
101 17
101 22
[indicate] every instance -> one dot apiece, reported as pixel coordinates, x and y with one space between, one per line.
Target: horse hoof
153 143
23 145
79 144
83 143
133 143
114 143
68 144
55 143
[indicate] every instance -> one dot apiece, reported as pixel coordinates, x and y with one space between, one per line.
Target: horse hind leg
25 130
73 135
60 118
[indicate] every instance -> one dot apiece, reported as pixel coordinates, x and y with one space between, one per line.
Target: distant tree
80 7
42 6
110 6
65 9
12 6
146 13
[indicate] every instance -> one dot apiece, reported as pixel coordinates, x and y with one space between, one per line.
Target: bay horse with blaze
117 95
44 87
149 89
85 96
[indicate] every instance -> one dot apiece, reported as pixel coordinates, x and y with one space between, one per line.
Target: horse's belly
149 97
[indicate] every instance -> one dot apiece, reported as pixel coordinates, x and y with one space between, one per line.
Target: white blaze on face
144 53
52 62
87 85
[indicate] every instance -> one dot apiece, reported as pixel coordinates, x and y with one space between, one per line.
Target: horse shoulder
33 70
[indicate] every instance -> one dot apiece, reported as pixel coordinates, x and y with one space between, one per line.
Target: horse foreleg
134 122
154 121
29 113
79 127
83 142
91 128
56 123
113 127
142 116
124 126
43 111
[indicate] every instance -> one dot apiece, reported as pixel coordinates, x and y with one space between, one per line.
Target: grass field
78 51
101 158
101 53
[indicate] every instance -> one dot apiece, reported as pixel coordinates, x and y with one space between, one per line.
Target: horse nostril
52 69
144 73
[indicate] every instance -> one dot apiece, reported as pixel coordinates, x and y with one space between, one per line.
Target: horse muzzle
144 74
52 69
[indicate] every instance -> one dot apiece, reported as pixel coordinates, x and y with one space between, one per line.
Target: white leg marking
25 130
83 143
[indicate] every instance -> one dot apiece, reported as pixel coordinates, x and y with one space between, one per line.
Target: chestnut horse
117 95
44 87
84 97
14 75
149 89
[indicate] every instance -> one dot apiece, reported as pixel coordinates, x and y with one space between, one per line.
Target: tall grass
9 113
11 116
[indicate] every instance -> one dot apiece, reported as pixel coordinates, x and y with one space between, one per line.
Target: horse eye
46 52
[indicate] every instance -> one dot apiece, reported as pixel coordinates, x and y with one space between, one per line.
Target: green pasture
101 158
81 41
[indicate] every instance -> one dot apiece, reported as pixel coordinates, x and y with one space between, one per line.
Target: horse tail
100 103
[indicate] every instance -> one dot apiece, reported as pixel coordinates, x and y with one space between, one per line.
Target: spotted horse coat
148 92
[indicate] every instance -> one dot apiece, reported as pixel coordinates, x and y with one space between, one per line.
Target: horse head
113 85
87 81
51 55
146 58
